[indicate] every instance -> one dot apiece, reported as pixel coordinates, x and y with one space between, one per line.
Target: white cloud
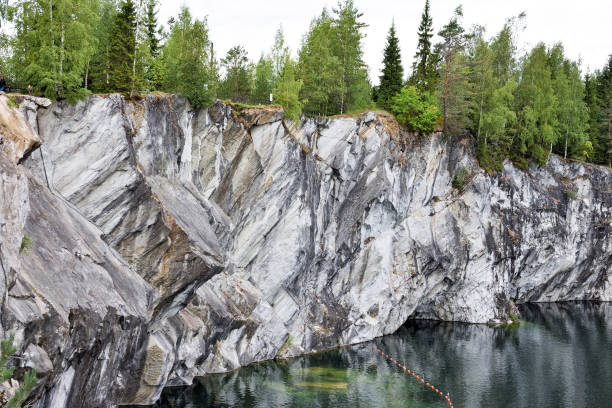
581 26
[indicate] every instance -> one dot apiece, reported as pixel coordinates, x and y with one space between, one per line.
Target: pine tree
392 77
424 73
455 82
122 48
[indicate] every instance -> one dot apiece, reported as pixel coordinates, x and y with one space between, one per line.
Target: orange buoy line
418 378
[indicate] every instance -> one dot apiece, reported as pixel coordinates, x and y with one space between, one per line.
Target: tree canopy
392 77
518 105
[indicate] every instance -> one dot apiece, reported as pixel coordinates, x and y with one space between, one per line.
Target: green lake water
559 356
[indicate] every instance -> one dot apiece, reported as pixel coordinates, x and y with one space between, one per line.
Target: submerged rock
258 238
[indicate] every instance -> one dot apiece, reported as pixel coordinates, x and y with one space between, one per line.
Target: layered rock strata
235 236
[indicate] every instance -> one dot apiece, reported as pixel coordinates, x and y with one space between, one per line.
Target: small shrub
521 163
417 111
570 194
26 244
6 373
288 344
461 178
539 154
514 317
565 178
11 102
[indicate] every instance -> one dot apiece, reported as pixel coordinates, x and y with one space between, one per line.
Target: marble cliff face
170 242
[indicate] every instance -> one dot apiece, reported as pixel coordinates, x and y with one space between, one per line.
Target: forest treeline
461 81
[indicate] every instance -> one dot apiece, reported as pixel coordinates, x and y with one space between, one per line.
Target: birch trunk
61 67
566 136
135 48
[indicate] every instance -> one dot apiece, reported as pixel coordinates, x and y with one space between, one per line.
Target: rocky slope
170 242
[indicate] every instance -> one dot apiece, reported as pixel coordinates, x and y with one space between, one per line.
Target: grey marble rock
235 236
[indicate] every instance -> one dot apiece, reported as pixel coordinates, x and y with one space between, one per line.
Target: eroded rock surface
78 311
259 238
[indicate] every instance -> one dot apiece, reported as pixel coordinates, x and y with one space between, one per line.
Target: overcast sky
582 26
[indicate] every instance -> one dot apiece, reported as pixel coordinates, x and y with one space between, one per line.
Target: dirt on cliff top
17 137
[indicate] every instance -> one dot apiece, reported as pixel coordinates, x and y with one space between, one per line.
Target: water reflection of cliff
560 356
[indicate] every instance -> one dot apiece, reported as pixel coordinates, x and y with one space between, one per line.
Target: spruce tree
604 94
592 103
151 29
392 77
424 74
123 48
98 73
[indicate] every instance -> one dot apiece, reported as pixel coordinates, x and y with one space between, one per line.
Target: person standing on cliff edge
2 83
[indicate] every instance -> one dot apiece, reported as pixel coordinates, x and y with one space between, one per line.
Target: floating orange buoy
403 367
